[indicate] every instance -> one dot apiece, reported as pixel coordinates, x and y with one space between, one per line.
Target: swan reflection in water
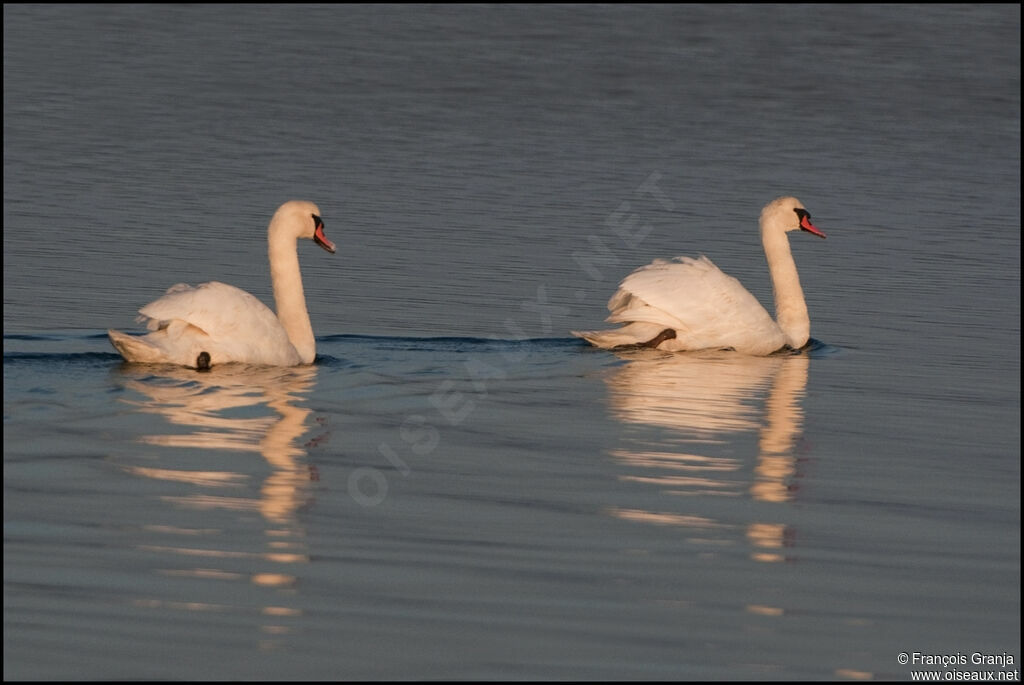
699 403
225 411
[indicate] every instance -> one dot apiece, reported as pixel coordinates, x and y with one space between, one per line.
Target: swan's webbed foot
203 361
667 334
790 350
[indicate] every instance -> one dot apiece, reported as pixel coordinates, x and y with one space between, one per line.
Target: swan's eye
803 215
317 221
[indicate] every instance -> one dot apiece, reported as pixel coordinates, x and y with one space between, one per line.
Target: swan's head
787 214
300 219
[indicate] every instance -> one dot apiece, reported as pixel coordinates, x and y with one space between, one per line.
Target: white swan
689 304
214 323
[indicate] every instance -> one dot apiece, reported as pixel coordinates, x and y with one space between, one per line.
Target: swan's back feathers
212 307
224 321
706 307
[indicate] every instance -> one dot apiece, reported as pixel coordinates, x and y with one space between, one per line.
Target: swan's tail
636 333
134 348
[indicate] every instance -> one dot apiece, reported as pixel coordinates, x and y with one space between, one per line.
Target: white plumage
690 304
229 324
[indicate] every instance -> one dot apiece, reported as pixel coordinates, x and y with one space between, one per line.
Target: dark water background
458 489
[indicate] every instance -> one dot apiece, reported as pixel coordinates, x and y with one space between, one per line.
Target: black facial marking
317 221
802 214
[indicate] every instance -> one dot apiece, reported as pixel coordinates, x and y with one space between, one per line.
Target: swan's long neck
289 295
790 308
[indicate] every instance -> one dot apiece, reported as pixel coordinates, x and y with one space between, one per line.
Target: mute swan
689 304
214 323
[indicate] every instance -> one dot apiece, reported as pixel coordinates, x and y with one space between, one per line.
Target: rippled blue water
458 489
